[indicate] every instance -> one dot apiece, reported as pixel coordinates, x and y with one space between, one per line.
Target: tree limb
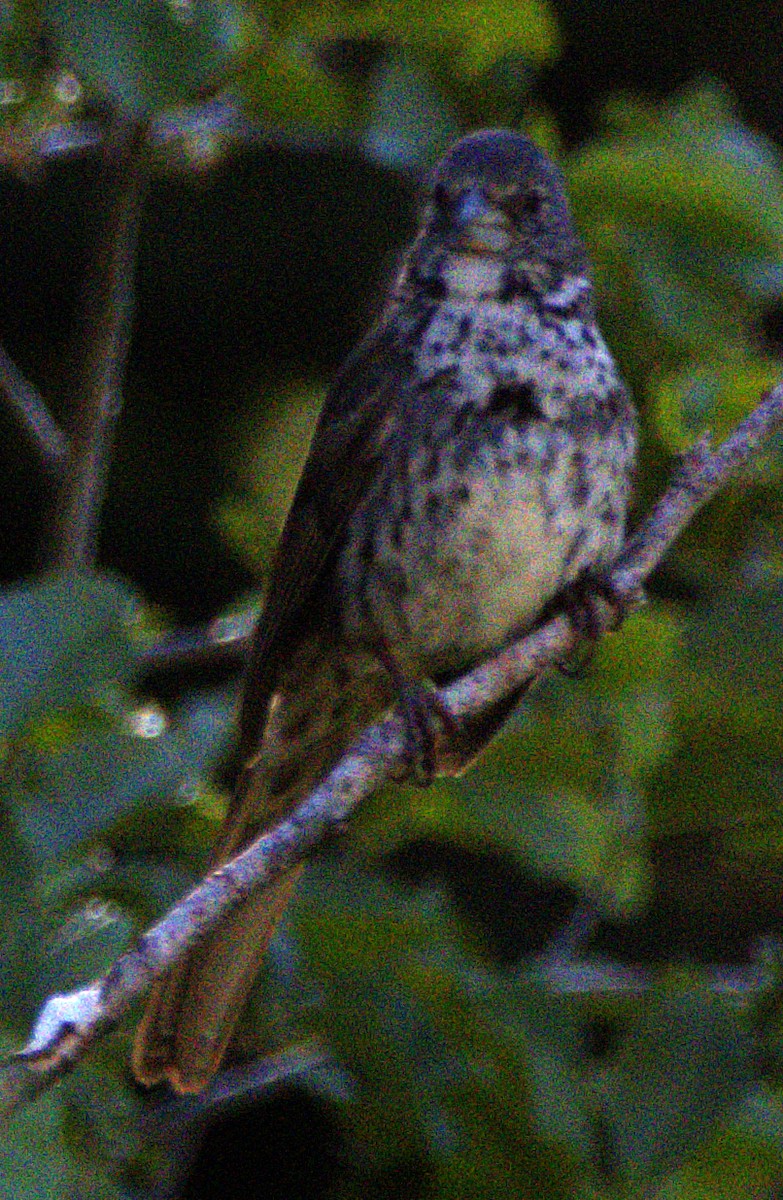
220 117
223 643
32 415
103 345
67 1025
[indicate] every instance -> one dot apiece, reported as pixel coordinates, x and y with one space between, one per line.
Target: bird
471 467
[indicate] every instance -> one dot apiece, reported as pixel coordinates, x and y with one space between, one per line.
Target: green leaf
680 1070
681 206
20 59
479 1072
102 1129
62 795
408 122
715 185
271 450
80 752
742 1162
61 798
84 947
149 54
24 933
727 741
34 1164
713 396
472 33
288 87
60 641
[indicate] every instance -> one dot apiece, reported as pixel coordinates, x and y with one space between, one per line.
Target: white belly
490 577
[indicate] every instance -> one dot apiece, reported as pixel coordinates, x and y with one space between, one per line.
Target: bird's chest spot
476 339
488 342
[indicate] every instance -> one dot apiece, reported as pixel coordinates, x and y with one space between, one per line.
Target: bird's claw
585 603
422 712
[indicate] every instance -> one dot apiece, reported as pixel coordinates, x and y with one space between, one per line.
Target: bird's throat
473 276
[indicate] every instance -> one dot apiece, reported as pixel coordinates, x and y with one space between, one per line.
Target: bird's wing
348 445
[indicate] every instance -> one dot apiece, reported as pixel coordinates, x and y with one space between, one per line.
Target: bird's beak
482 228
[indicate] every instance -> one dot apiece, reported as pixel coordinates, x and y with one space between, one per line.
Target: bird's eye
532 203
528 204
440 195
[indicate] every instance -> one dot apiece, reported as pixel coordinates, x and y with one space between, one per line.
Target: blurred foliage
470 1080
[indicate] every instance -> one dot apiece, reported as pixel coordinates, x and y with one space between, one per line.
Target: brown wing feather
346 449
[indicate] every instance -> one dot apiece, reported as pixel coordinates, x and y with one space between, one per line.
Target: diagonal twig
31 413
68 1024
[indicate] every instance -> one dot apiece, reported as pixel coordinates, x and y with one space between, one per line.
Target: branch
67 1025
222 644
220 118
104 344
32 414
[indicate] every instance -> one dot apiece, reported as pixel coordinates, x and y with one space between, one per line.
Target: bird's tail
324 700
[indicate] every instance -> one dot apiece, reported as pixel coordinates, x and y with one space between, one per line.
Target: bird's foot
593 607
423 712
426 719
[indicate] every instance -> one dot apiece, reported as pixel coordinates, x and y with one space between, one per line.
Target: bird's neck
473 277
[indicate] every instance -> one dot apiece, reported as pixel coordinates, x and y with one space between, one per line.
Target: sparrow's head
496 208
